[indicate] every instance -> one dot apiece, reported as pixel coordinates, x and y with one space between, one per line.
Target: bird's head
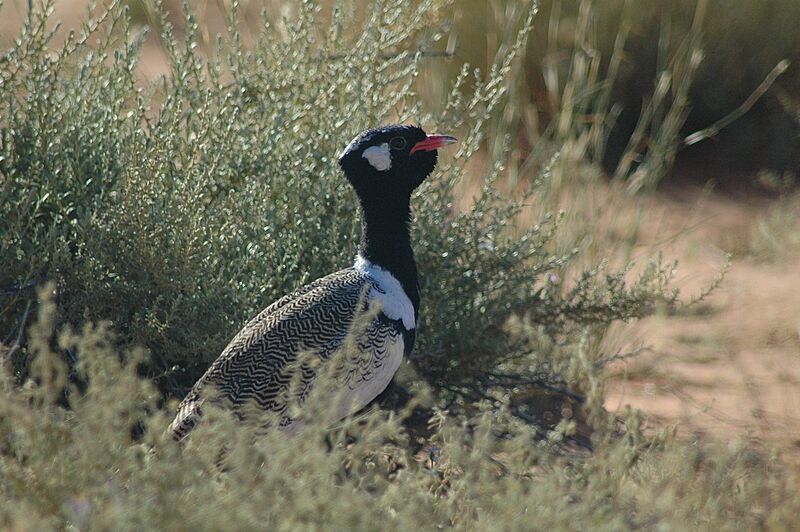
391 160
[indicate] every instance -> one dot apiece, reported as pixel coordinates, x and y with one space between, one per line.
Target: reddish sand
731 366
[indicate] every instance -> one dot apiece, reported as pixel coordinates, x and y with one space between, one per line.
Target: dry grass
725 367
729 367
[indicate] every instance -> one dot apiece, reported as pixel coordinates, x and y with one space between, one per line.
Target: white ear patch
379 157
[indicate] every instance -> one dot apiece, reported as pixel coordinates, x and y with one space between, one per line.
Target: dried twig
499 379
728 119
14 289
20 329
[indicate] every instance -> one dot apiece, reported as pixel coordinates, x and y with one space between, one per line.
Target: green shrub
179 208
168 212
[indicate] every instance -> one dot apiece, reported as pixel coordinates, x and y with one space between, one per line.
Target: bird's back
257 366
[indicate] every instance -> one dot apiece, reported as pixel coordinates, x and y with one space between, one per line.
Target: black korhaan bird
384 166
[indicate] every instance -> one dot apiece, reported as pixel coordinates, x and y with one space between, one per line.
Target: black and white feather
314 319
265 362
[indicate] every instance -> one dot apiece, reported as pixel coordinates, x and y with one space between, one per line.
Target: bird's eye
397 143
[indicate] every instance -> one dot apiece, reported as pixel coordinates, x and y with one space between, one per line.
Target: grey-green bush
166 213
176 209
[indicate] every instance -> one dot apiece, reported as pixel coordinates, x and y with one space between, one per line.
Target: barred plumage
314 319
263 362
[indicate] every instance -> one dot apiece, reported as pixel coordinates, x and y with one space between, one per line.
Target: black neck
386 242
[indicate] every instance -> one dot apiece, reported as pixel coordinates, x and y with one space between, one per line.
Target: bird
384 166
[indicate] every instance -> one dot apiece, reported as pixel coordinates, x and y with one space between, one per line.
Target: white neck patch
379 157
393 299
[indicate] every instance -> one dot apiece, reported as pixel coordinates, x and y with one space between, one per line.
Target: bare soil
729 367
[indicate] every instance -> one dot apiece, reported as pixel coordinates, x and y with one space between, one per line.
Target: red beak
433 142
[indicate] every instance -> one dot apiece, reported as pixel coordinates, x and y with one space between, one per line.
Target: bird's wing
259 363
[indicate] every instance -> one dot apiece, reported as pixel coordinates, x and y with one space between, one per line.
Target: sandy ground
730 366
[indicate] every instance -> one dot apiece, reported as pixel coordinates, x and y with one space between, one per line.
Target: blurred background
739 43
686 112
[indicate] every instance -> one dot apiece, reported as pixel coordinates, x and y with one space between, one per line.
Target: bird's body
314 319
302 331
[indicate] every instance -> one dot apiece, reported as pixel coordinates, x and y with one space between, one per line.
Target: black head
391 160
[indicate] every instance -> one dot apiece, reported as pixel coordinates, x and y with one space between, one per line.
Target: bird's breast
372 378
